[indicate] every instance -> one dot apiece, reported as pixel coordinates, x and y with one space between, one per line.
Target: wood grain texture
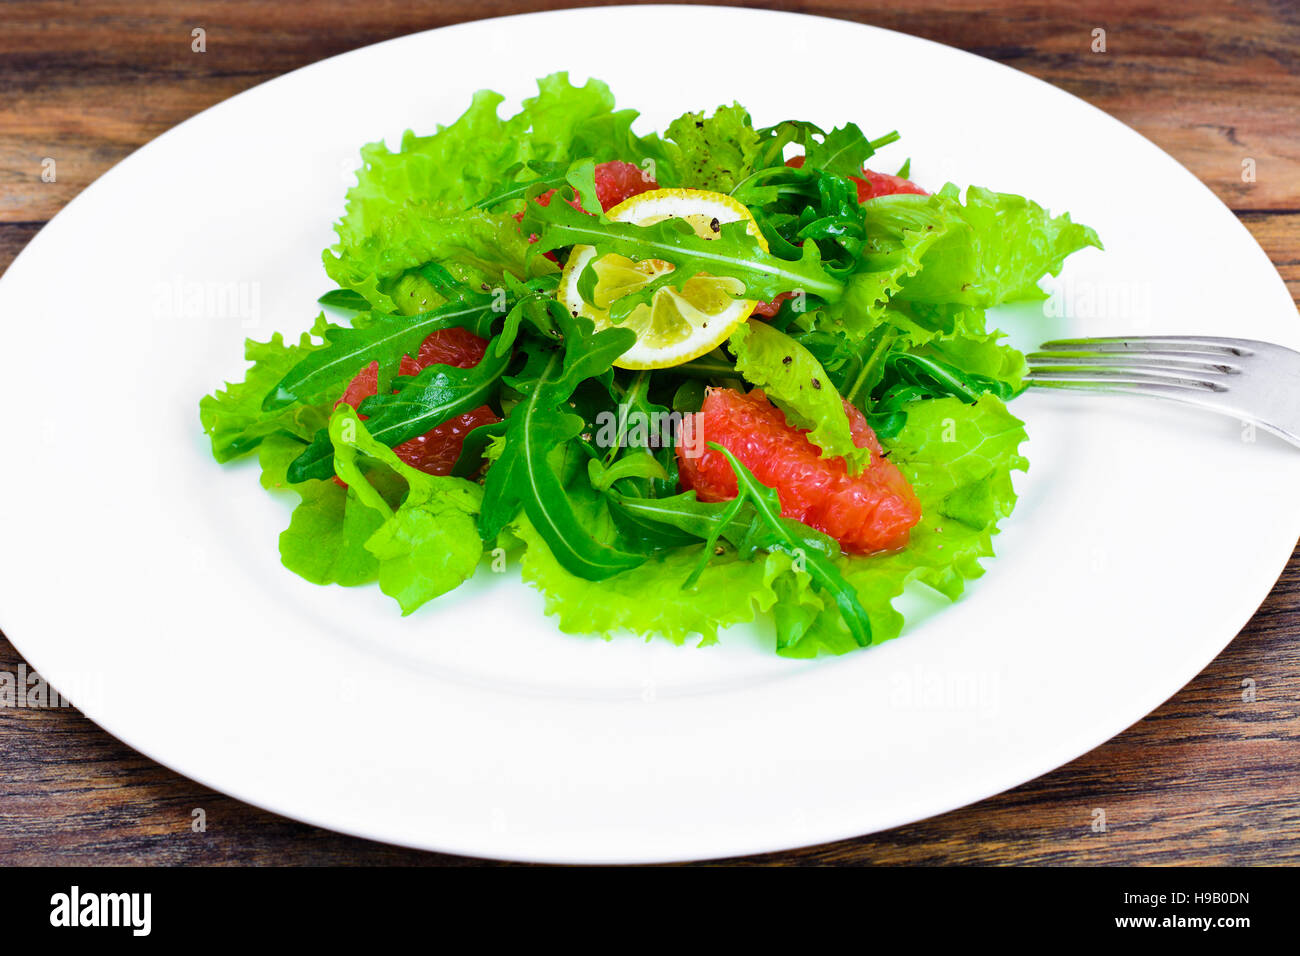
1209 777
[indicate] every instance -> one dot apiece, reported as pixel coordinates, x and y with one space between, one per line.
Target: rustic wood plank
1207 778
1213 83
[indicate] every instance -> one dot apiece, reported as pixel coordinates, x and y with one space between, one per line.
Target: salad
682 381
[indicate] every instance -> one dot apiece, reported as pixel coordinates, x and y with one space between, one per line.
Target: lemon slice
678 324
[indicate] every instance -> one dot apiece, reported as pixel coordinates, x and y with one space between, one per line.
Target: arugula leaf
631 466
549 176
733 253
429 544
842 152
797 384
474 448
345 299
434 395
540 426
385 339
824 573
752 521
635 437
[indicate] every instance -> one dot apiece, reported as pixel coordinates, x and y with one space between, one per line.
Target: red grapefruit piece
867 512
615 182
872 184
435 452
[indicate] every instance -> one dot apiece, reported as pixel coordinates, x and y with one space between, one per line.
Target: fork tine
1143 361
1256 382
1154 343
1082 377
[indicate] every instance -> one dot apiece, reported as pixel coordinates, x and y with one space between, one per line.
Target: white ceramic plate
143 580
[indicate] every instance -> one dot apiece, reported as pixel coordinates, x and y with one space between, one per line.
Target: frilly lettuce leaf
715 152
429 543
475 246
959 459
797 384
884 265
981 353
994 248
325 542
927 257
650 599
233 417
408 207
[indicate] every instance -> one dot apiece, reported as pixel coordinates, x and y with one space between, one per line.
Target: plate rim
1242 612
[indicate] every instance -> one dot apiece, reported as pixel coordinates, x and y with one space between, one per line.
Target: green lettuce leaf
413 206
959 459
477 248
797 384
651 599
994 248
233 417
428 544
716 152
325 542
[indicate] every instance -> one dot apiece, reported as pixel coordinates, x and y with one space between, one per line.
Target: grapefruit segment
435 452
872 184
869 512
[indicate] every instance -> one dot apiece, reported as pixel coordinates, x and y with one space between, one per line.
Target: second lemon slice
678 324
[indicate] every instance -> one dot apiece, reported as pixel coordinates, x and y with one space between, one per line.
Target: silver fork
1256 382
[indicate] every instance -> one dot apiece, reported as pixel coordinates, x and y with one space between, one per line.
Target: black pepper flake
719 550
787 360
816 384
484 286
699 124
715 225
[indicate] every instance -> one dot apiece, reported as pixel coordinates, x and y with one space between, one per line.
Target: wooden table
1207 778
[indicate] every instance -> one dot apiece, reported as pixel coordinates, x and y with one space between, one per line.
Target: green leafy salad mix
471 405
